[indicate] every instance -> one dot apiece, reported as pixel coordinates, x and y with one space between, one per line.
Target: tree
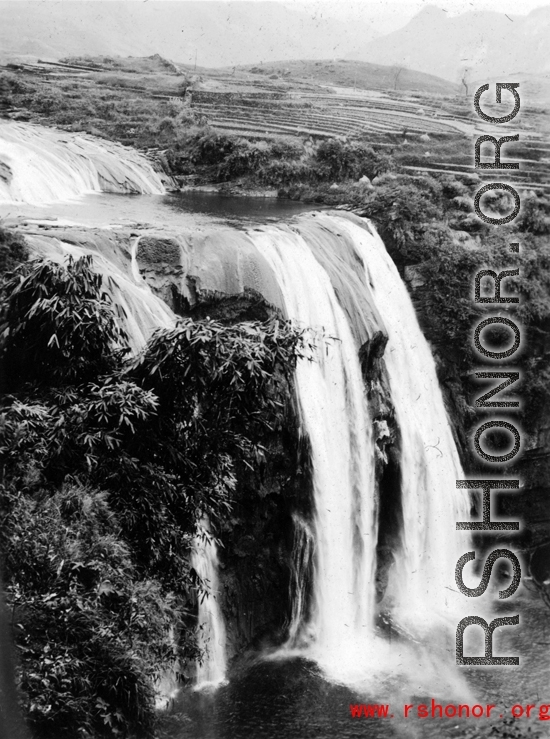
63 325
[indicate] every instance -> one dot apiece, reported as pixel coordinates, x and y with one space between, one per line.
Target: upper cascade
41 165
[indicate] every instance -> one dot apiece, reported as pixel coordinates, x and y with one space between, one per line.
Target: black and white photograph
274 369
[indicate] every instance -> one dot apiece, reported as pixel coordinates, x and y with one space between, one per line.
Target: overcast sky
381 6
384 16
452 6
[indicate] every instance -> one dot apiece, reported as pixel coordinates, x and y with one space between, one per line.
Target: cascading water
145 312
334 415
304 545
141 312
211 670
423 583
338 629
40 165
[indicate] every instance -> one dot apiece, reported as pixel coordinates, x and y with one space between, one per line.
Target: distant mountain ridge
477 44
215 33
222 33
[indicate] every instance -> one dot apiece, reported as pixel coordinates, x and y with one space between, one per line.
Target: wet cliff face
220 274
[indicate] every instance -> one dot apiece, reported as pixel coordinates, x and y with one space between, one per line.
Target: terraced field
424 129
428 133
323 117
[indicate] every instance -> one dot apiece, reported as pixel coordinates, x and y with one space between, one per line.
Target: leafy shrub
108 466
463 202
286 148
13 250
63 324
10 87
535 215
92 636
246 158
53 102
451 187
282 173
341 160
211 148
400 206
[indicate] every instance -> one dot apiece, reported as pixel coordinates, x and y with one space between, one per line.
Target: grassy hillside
356 74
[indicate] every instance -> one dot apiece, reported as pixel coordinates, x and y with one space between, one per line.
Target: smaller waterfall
139 309
43 165
302 555
211 671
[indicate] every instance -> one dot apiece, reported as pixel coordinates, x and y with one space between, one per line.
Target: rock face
189 269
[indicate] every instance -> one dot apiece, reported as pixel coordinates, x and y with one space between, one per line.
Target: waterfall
422 585
211 670
42 165
337 629
334 415
334 614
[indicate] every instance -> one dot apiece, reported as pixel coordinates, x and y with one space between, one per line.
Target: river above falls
172 210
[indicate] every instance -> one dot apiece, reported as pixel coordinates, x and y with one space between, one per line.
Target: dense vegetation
109 464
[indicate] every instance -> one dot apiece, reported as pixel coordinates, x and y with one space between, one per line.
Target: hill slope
482 44
356 74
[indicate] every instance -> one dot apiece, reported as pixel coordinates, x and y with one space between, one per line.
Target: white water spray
138 308
43 165
302 557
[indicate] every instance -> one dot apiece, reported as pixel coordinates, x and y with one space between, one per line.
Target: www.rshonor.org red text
540 711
